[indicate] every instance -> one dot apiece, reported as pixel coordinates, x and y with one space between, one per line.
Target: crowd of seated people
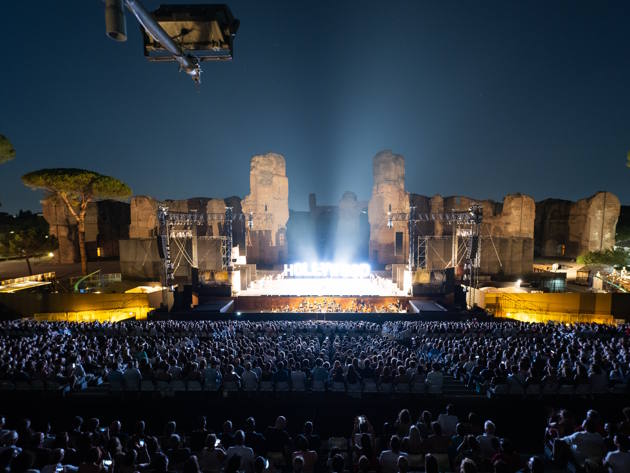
431 442
300 354
325 305
593 445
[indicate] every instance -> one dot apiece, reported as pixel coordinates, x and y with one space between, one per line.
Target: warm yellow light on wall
99 315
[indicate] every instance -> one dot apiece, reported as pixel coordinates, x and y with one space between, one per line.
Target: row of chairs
415 462
367 386
536 390
34 385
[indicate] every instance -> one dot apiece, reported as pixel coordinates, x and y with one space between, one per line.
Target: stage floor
374 286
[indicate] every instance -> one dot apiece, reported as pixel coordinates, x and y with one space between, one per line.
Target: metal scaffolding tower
175 226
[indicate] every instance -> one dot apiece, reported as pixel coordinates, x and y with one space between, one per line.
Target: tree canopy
613 257
77 184
7 152
77 188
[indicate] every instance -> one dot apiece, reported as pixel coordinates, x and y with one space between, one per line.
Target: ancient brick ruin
511 233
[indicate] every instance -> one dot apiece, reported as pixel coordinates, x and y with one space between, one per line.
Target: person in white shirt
246 454
132 377
389 458
249 379
435 379
448 421
486 440
619 460
588 444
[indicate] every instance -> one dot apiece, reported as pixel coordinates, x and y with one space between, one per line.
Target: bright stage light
327 270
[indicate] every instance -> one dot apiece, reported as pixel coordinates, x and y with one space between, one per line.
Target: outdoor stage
276 285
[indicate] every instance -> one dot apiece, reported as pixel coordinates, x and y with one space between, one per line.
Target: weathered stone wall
570 229
143 218
507 231
140 258
388 195
106 222
63 227
268 202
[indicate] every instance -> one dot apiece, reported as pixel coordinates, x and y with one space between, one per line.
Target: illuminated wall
544 307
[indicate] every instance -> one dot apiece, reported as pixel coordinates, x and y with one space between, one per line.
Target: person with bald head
277 438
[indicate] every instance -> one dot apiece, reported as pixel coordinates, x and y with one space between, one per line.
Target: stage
276 285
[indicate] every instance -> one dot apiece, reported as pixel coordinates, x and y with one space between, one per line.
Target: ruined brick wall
268 202
507 232
63 227
106 222
388 194
570 229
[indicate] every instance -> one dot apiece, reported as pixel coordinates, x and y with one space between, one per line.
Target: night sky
481 98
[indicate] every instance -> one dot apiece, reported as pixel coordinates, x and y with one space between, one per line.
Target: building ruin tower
388 245
268 204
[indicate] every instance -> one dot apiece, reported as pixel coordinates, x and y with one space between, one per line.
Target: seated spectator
249 378
191 465
337 463
92 463
437 442
534 465
254 439
468 466
365 466
403 422
56 462
211 456
435 379
277 437
309 457
313 439
487 441
583 445
403 464
412 444
297 464
239 449
388 460
430 464
448 421
618 461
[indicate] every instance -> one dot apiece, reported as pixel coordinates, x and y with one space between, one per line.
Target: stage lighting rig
183 225
466 223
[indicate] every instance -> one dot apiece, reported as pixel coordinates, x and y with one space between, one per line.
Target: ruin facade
388 243
268 204
510 233
570 229
106 223
506 234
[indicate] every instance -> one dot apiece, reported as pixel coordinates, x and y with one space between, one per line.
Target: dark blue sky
482 99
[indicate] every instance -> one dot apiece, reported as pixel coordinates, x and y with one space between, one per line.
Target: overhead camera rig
187 34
